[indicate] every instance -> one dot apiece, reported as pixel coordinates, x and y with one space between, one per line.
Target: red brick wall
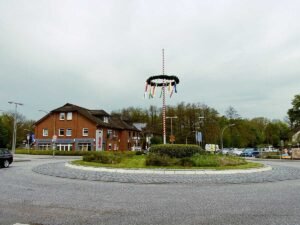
77 123
124 140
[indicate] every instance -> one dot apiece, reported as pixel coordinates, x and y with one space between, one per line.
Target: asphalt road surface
31 198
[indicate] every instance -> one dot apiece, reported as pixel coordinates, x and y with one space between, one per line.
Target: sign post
172 139
28 146
54 139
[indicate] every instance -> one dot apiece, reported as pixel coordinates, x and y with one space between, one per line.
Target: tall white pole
164 97
15 131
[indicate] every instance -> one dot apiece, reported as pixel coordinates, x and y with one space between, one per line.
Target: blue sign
198 136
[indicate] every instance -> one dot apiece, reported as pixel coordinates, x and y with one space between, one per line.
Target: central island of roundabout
132 167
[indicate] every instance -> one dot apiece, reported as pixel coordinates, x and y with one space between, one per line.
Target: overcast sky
98 54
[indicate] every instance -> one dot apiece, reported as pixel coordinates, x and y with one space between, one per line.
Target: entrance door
99 140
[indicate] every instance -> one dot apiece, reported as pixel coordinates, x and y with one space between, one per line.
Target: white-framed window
85 132
109 134
62 116
116 147
115 134
61 132
69 132
44 146
69 116
84 147
64 147
105 119
45 132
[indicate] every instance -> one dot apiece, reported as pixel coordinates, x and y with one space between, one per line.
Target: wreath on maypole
163 81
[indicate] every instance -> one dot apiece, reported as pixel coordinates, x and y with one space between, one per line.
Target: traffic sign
54 138
172 138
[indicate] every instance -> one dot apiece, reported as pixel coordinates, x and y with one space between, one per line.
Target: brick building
78 128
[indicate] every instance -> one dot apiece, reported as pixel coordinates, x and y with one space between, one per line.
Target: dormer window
62 116
105 119
69 116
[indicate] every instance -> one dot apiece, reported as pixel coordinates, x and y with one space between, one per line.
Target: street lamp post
171 118
15 126
40 110
230 125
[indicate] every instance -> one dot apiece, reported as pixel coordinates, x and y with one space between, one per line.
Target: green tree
6 129
294 113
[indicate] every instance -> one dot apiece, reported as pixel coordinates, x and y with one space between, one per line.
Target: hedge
177 150
198 160
50 152
270 155
107 157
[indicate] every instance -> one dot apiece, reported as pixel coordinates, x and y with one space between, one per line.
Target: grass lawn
138 162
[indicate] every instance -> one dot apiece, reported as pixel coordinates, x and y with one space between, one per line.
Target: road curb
22 160
168 171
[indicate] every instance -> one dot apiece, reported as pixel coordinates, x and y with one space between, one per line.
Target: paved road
32 198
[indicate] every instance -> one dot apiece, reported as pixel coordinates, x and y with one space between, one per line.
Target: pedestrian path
168 171
278 173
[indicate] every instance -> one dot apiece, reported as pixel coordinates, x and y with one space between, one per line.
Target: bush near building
50 152
108 157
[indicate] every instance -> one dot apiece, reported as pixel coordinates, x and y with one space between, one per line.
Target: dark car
250 152
6 158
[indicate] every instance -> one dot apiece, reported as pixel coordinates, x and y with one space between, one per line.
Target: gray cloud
98 54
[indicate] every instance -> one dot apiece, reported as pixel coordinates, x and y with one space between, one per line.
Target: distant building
73 127
145 133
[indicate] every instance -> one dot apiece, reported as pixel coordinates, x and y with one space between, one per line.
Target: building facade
71 128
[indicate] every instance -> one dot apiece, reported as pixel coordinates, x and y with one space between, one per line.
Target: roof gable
96 116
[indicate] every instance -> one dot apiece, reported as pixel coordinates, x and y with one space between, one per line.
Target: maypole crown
162 81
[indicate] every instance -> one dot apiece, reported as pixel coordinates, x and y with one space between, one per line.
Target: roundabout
204 177
44 190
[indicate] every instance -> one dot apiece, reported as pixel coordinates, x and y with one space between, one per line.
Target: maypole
162 81
164 97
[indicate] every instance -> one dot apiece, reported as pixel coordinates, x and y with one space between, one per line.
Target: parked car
225 151
6 158
250 152
236 152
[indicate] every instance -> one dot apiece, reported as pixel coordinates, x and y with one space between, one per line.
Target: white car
225 151
236 151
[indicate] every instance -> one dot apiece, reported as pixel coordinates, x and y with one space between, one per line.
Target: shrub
188 162
156 140
205 160
273 157
231 161
102 157
159 160
176 150
107 157
139 153
270 155
50 152
216 160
